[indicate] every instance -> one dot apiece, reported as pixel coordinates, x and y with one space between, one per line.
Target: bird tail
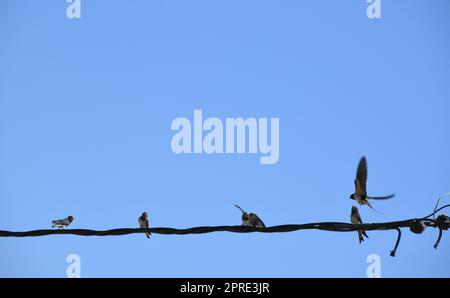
382 198
364 233
148 235
360 236
368 204
240 209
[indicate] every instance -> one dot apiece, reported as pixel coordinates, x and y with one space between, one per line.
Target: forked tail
368 204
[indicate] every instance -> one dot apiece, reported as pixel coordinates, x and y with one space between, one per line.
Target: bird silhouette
143 223
360 194
251 219
356 219
62 223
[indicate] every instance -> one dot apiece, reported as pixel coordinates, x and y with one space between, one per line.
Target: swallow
356 219
62 223
251 220
360 194
143 223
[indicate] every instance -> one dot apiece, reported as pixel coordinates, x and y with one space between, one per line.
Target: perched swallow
143 223
62 223
360 194
356 219
251 219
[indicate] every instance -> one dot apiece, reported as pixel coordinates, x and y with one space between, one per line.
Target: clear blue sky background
86 107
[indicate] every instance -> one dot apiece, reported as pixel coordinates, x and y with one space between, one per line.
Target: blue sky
86 107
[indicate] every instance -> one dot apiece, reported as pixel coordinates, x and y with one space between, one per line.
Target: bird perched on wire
143 223
360 194
62 223
356 219
251 219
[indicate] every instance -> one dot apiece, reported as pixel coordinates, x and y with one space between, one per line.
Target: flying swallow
356 219
251 219
143 223
360 194
62 223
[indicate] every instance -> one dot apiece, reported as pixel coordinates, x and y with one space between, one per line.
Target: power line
416 225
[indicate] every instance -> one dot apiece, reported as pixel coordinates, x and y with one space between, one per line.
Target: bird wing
240 209
358 217
143 223
361 178
63 221
363 232
381 198
256 220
